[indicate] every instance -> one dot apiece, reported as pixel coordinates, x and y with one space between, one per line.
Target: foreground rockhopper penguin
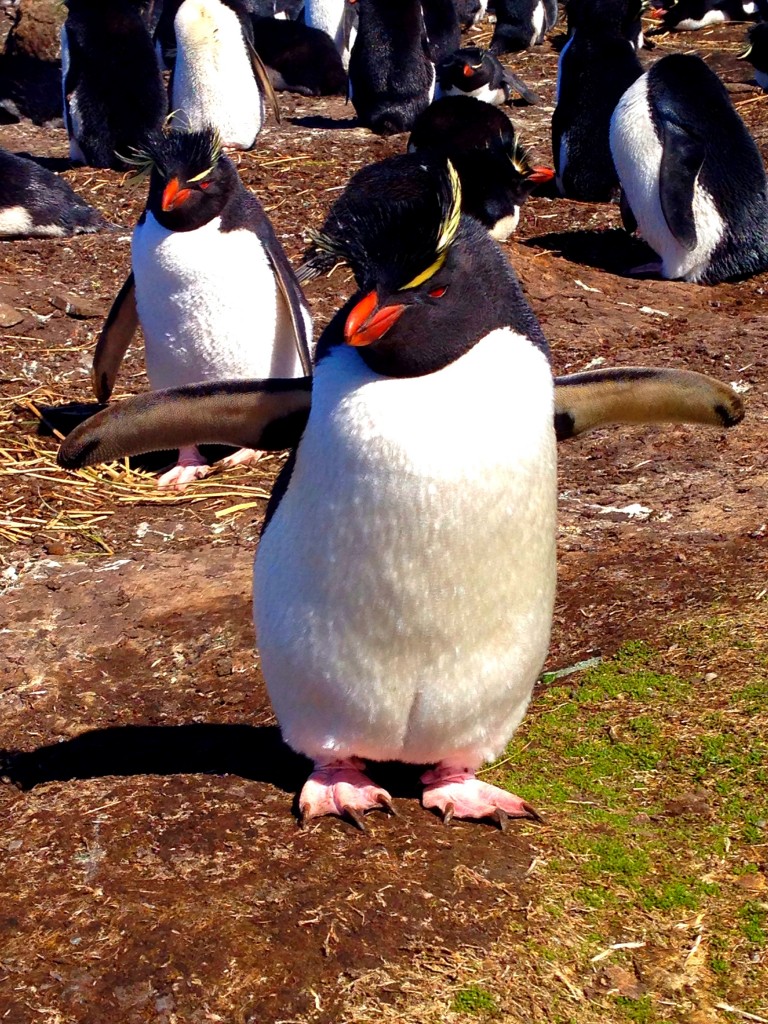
405 577
210 284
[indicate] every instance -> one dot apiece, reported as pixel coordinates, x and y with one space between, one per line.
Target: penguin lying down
405 577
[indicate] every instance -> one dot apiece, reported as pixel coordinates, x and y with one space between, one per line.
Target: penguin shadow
613 250
320 121
57 164
63 418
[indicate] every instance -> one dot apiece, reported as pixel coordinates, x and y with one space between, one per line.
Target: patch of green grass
752 922
474 999
678 894
639 1010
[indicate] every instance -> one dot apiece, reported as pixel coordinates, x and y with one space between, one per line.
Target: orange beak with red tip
541 175
174 195
367 323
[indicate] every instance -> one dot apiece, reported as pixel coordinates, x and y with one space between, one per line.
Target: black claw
500 816
532 812
386 804
448 813
355 817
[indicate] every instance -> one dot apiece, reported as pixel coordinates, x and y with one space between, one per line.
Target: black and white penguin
208 274
520 24
218 78
494 170
338 19
299 58
422 626
477 73
596 66
690 15
441 21
470 12
36 203
391 77
757 53
113 91
691 173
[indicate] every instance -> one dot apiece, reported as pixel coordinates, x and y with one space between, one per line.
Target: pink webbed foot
456 793
241 457
341 788
190 466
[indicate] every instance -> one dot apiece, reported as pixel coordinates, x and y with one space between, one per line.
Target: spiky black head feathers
179 154
392 225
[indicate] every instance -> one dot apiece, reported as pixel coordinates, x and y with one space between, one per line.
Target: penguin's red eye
204 185
437 293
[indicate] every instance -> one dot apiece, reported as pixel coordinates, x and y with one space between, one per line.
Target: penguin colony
388 494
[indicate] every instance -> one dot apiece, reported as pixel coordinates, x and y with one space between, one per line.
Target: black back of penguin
597 65
707 145
303 58
390 74
113 92
441 21
519 24
36 202
621 17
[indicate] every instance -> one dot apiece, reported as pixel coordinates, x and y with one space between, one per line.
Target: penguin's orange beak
367 323
174 195
541 175
467 70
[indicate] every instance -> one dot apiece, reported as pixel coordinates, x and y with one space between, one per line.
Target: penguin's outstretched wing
267 414
515 84
631 394
119 328
681 158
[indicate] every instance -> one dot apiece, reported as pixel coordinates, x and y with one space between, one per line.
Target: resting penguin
691 174
477 73
470 11
596 66
391 77
210 284
690 15
300 59
218 78
757 53
112 89
36 203
519 25
494 170
338 19
421 628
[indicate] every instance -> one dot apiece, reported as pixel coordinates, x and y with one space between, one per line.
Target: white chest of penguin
213 79
403 590
209 306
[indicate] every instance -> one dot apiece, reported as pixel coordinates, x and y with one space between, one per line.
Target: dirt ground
152 867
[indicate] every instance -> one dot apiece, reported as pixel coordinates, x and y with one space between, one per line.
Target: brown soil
152 869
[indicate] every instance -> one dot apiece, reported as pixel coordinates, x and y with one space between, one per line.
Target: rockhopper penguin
404 582
210 284
477 73
691 174
757 53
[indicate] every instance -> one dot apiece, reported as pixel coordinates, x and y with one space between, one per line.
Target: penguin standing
691 173
520 24
596 66
405 577
757 53
112 88
493 168
207 271
218 79
441 22
391 77
477 73
338 19
36 203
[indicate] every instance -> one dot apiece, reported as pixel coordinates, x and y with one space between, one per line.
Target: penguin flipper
288 291
628 218
269 415
265 82
115 337
631 394
681 159
518 85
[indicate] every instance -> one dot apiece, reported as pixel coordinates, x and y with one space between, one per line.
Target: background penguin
218 79
338 19
691 173
420 632
477 73
479 140
596 66
113 92
301 59
35 202
757 53
624 16
519 24
690 15
207 271
441 21
391 77
470 12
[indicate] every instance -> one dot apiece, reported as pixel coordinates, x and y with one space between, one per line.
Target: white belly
710 18
484 93
403 591
539 17
209 306
213 80
637 155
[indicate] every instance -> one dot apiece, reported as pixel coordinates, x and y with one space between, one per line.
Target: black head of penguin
421 266
757 53
468 69
495 173
190 181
